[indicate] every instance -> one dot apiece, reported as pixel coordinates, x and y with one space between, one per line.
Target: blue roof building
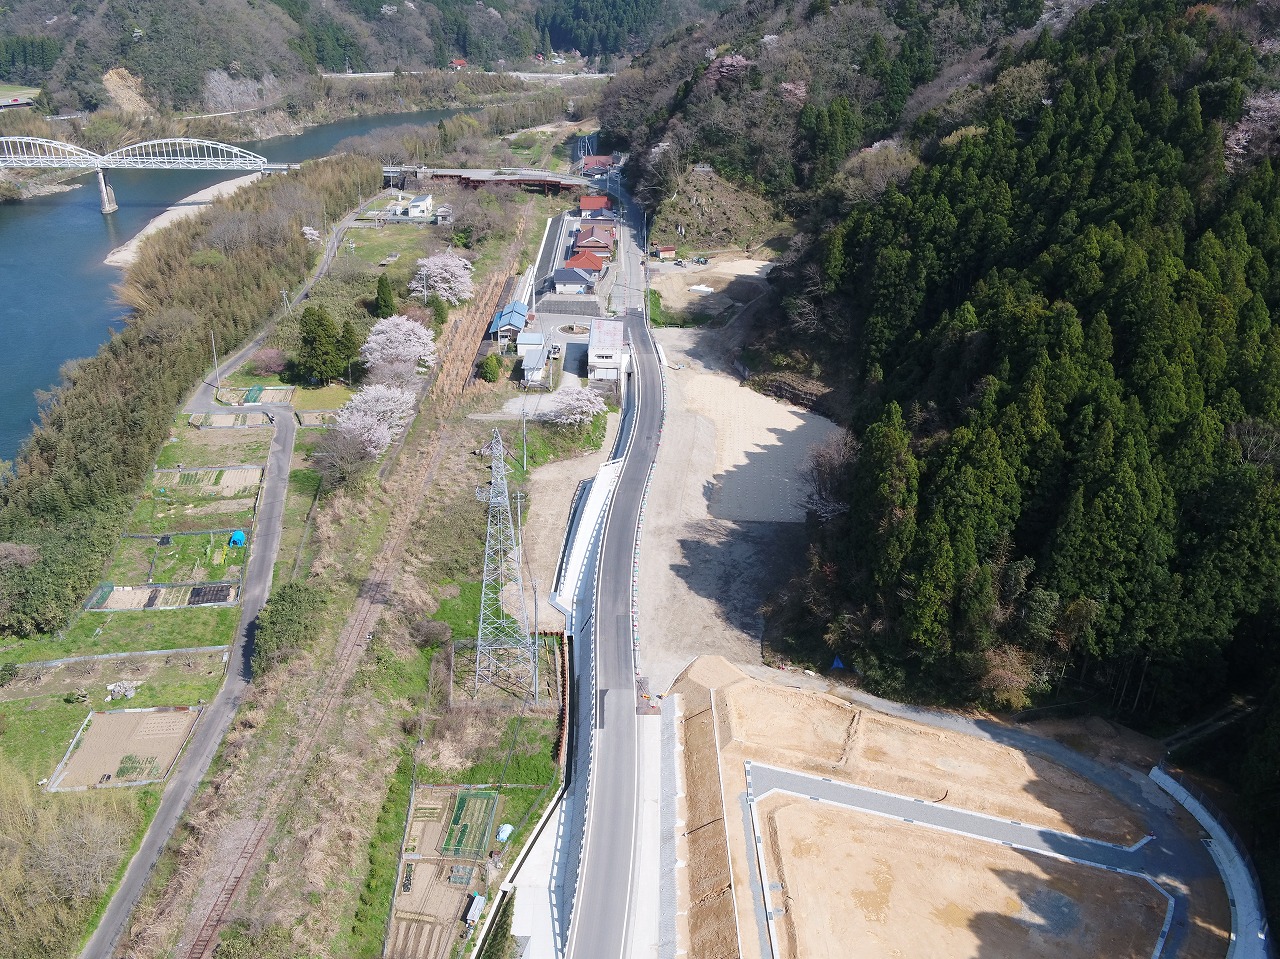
509 321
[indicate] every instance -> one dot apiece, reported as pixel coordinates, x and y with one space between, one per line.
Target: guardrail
1250 938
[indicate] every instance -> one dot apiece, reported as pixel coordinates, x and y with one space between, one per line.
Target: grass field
322 398
35 732
95 633
294 551
243 378
131 564
410 240
204 448
165 516
9 90
198 559
462 612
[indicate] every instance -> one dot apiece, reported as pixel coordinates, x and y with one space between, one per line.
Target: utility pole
217 377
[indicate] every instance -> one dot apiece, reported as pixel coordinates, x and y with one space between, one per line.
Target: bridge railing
174 153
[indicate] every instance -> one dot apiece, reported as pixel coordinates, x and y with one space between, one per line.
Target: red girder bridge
174 153
544 180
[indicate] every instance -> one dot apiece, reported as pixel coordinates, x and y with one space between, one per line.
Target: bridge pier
108 195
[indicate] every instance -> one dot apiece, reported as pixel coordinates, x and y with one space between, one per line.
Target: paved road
601 922
1007 832
217 716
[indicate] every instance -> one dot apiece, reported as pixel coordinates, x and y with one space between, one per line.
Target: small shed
535 365
237 538
666 252
528 341
444 213
420 207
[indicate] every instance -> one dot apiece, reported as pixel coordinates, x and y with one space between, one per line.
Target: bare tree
825 472
341 457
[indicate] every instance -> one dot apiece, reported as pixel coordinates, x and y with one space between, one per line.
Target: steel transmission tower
506 655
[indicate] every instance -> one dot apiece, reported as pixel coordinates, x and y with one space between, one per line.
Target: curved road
601 920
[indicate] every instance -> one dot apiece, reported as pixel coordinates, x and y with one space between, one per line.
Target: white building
528 342
421 206
607 354
535 365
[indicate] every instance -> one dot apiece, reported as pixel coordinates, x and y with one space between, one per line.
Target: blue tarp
237 538
505 831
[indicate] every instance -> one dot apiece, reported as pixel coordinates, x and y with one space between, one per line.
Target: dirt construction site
807 824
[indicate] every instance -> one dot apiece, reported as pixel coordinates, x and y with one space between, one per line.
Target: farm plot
125 747
468 834
228 421
434 881
197 558
120 598
190 447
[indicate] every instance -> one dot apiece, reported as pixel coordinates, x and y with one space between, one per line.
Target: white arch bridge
174 153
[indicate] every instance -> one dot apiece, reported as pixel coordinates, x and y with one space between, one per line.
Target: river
56 300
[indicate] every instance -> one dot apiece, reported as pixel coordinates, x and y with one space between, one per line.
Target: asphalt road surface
600 927
216 718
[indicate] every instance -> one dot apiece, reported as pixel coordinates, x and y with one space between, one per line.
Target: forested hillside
1060 475
178 47
775 94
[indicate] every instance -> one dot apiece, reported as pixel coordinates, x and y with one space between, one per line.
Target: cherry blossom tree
397 340
375 414
445 275
574 408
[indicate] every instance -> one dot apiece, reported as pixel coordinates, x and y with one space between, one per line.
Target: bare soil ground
731 281
913 892
829 737
724 527
899 890
153 737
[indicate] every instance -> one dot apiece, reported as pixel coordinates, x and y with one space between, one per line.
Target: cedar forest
1060 479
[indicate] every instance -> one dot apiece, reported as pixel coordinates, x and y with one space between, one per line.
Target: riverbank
188 206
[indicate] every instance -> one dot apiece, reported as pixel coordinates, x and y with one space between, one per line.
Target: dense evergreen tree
1061 338
385 303
320 350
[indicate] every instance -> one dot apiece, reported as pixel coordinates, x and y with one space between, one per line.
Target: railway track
411 483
